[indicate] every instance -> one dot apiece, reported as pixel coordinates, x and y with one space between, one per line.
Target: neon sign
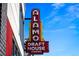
36 44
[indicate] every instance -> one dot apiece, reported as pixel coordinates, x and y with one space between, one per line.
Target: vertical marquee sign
36 44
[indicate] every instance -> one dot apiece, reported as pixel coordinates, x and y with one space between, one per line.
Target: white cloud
55 6
52 14
72 27
54 19
58 5
71 15
73 10
56 30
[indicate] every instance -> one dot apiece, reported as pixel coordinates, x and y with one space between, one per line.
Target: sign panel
37 47
35 26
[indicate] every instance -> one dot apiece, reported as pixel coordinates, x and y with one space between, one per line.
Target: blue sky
60 27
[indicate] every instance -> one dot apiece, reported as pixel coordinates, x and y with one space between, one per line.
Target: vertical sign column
35 26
